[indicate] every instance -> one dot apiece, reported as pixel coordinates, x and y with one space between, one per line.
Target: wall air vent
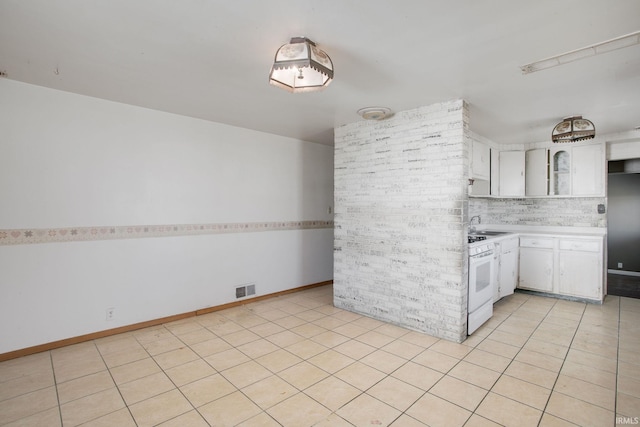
245 290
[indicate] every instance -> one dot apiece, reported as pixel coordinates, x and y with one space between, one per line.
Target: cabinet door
508 272
580 274
536 269
587 175
512 173
536 169
560 171
480 160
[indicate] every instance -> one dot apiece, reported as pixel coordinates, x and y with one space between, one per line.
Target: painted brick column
400 211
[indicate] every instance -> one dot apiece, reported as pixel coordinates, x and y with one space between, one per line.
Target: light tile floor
296 360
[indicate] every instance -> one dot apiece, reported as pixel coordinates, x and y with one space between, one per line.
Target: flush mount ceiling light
573 129
374 113
595 49
300 66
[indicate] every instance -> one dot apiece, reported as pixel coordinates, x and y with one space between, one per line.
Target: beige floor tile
437 412
306 349
499 348
84 386
183 326
269 391
162 346
117 343
396 393
303 375
240 337
189 419
452 349
285 338
375 339
91 407
578 411
586 391
392 330
383 361
331 361
418 338
174 358
629 370
487 360
224 327
417 375
367 410
120 418
160 408
266 329
33 364
593 360
135 370
368 322
403 349
123 357
289 322
189 372
308 330
508 338
549 420
78 367
508 412
360 375
48 418
298 410
532 374
474 374
197 336
278 360
330 339
540 360
547 348
210 347
26 384
355 349
153 333
207 389
590 374
246 373
350 330
435 360
146 387
226 359
628 405
630 386
333 420
28 404
332 392
477 421
261 420
459 392
522 391
257 348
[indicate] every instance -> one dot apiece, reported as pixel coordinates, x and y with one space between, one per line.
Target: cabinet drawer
580 245
536 242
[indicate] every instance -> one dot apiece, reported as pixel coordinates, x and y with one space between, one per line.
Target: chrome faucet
472 228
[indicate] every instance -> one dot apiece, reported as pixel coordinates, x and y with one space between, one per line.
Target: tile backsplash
563 212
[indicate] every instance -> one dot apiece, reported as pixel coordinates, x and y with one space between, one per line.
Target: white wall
74 161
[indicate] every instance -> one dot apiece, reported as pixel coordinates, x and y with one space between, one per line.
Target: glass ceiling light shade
301 67
573 129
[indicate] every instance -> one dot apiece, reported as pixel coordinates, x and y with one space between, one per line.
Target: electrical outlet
619 265
110 313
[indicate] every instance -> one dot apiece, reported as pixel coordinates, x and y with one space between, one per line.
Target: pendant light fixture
300 66
573 129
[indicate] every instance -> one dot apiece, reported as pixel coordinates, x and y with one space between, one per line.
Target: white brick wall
400 212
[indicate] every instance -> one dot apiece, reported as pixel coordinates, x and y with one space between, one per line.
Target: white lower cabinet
580 268
506 254
562 265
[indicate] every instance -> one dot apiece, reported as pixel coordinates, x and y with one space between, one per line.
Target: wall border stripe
24 236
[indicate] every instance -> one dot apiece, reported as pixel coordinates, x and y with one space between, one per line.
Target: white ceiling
211 59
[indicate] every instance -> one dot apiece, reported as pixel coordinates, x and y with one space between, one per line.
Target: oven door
480 280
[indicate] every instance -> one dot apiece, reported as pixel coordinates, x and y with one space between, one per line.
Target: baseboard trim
624 272
128 328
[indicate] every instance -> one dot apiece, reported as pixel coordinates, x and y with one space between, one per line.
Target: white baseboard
624 273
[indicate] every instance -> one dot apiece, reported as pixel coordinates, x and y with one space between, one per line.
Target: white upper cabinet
512 173
587 173
480 161
536 169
